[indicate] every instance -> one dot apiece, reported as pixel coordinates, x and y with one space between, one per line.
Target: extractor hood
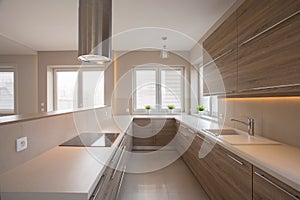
95 30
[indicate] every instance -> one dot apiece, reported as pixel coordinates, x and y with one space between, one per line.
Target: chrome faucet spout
249 123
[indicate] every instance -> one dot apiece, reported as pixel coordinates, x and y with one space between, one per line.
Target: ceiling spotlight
164 52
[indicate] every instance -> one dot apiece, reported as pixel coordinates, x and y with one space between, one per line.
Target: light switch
21 144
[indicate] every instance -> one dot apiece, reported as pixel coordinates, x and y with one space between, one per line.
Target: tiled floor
175 182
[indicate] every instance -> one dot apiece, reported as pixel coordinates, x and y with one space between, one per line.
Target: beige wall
123 65
48 132
275 118
27 94
45 59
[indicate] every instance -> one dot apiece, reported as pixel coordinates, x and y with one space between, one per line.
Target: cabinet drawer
150 141
267 187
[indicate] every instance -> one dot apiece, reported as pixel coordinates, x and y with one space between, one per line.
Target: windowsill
215 119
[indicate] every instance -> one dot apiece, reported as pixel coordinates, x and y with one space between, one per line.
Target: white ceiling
51 25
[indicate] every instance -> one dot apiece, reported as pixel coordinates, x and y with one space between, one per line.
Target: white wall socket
21 144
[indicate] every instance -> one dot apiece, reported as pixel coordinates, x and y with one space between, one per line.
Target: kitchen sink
218 132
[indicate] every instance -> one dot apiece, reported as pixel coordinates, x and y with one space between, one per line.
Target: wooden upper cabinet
223 39
221 75
220 58
271 59
266 187
255 17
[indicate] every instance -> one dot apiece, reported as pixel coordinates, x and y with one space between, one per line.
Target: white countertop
280 160
60 173
73 172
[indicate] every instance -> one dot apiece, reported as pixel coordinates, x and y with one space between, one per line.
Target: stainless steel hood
95 29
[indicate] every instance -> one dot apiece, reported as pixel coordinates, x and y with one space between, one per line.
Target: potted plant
148 108
200 108
171 108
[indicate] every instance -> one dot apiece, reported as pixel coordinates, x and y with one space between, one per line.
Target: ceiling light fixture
164 52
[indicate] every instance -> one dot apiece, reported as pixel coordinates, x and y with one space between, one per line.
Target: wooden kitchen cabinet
153 132
220 58
222 174
232 174
223 39
253 17
110 182
264 40
266 187
221 76
271 59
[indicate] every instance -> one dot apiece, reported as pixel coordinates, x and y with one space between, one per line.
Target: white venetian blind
171 88
145 88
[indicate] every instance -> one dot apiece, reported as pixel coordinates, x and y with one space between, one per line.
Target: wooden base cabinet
109 185
266 187
153 132
223 175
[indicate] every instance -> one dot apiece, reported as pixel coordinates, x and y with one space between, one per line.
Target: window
7 91
75 88
158 87
209 102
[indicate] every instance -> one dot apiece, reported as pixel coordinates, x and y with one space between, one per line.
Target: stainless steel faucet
249 123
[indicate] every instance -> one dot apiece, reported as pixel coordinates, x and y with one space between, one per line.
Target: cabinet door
196 158
221 75
254 17
266 187
143 132
232 174
220 50
165 131
224 38
272 59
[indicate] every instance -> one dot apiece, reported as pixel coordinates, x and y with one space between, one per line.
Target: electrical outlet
21 144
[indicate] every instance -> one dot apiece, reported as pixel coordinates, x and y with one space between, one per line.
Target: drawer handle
205 140
275 185
183 133
121 144
234 159
219 57
117 166
270 28
191 131
98 188
120 183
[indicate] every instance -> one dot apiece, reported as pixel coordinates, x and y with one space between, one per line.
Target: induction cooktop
92 140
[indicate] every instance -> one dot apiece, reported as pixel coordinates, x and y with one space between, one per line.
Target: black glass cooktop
92 140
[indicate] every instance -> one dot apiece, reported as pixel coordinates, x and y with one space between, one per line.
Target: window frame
158 69
79 82
4 67
206 113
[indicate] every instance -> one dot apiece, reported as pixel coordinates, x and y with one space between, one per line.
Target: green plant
147 107
171 107
200 108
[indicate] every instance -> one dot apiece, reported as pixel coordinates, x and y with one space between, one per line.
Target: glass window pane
171 88
145 88
205 101
66 90
93 88
214 105
7 102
